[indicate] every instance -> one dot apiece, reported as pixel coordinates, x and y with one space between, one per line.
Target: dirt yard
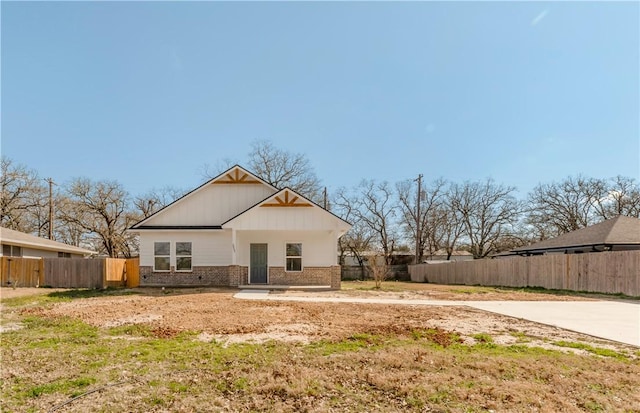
216 315
203 350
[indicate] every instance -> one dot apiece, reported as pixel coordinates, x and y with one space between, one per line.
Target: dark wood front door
258 264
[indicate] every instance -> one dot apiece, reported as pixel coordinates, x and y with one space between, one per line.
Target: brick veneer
219 276
308 276
234 275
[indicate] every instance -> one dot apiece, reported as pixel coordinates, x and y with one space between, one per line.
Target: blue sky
147 93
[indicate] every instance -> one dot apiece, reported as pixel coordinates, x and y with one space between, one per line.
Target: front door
258 264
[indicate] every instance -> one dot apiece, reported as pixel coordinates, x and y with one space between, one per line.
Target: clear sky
147 93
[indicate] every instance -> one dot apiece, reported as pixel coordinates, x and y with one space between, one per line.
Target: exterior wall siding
318 247
210 248
205 208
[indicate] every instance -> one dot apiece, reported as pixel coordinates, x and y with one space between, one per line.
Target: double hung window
162 256
183 256
294 257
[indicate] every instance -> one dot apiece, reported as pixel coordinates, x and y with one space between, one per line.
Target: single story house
19 244
621 233
456 255
238 230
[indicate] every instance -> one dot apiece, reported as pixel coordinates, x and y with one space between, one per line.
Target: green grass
70 387
520 337
63 296
483 338
54 359
595 350
474 290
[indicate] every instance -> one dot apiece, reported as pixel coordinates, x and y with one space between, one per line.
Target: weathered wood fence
21 272
356 272
604 272
69 272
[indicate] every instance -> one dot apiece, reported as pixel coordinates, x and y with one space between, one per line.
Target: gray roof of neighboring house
621 230
11 237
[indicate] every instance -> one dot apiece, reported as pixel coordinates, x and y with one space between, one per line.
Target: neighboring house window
294 257
162 255
64 255
11 251
183 256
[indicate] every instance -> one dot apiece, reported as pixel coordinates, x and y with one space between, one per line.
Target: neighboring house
19 244
621 233
237 229
456 255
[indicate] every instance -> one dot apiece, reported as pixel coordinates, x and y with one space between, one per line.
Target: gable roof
234 175
285 198
621 230
12 237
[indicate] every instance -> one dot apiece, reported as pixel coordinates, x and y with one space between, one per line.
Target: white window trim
182 256
294 256
154 256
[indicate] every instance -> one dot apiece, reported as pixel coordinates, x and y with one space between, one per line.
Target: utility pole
418 220
50 207
325 197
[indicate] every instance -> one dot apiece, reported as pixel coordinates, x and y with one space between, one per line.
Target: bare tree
378 269
66 230
566 206
210 171
622 198
101 209
486 210
147 204
21 191
284 169
359 238
429 221
447 227
374 207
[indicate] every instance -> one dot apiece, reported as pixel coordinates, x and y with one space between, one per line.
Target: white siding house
235 230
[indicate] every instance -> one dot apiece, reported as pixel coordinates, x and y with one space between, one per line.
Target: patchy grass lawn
70 348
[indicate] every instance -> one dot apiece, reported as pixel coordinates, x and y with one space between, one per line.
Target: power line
50 181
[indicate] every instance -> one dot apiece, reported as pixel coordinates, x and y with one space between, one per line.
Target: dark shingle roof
621 230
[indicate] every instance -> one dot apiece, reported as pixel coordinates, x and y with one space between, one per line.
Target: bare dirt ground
317 357
216 315
6 293
419 291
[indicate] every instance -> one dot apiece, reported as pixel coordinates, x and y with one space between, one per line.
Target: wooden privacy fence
604 272
69 272
132 269
21 272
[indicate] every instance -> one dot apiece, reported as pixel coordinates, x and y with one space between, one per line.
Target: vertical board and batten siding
288 218
208 248
21 272
318 248
204 207
605 272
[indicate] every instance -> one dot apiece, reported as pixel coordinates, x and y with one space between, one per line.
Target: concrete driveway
611 320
